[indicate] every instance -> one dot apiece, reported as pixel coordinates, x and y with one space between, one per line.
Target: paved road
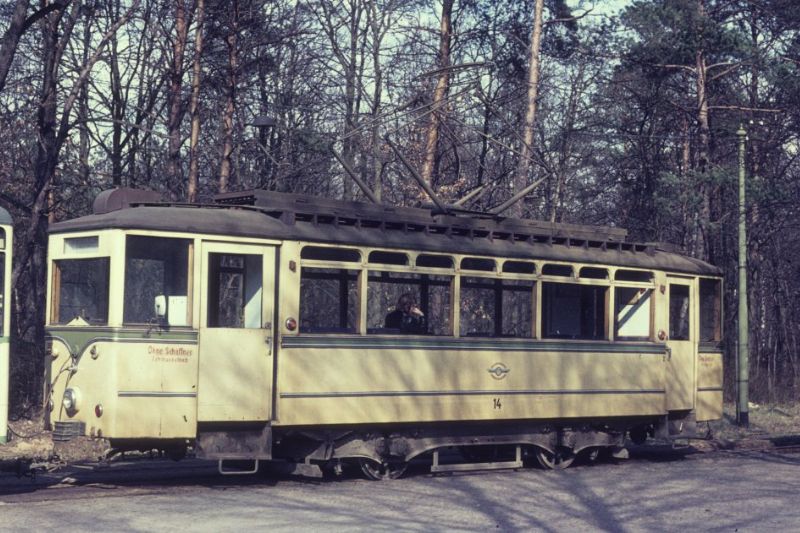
654 490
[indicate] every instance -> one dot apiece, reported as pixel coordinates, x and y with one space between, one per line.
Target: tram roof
5 218
263 214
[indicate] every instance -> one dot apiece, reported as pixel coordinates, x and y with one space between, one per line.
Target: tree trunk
175 116
8 47
526 152
230 101
194 107
377 161
440 92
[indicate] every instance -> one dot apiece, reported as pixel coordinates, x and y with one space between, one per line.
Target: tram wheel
376 471
555 461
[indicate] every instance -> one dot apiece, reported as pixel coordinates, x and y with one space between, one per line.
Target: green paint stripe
5 340
78 339
709 389
467 345
513 392
123 333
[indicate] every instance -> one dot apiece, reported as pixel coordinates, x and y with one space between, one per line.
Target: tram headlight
71 401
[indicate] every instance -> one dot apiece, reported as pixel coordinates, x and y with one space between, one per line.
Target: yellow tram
256 328
6 249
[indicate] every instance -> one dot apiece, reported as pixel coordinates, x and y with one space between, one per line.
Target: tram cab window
679 306
328 300
496 307
431 293
80 292
572 311
633 313
235 292
157 266
710 310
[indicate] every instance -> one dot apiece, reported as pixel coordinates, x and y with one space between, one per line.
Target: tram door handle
268 337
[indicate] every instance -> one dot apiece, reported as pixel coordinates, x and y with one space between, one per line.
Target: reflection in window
80 291
710 310
234 290
156 266
495 307
571 311
633 313
328 300
679 312
431 293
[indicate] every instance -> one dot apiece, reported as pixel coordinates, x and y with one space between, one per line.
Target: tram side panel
349 380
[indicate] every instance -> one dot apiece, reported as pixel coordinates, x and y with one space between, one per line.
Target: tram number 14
497 403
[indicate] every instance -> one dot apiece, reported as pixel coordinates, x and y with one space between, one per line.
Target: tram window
632 317
519 267
80 292
710 310
328 300
322 253
2 288
388 258
434 261
235 290
477 263
77 245
571 311
679 306
156 266
593 273
430 292
634 275
496 308
557 270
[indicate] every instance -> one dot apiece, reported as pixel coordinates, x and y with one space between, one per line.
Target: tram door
236 333
681 342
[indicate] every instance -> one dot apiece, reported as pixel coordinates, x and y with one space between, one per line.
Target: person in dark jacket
407 317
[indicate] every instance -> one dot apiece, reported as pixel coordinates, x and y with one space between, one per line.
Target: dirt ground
770 426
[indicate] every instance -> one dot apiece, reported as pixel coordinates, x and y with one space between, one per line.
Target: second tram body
254 329
6 249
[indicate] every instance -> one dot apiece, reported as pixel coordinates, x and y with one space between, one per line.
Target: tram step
470 467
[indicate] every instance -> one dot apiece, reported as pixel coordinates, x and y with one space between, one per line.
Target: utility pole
743 379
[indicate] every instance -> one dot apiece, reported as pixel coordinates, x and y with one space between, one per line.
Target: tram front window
156 266
80 292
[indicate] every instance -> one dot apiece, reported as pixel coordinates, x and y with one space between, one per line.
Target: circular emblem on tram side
498 370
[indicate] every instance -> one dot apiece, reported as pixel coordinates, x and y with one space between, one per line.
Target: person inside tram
407 316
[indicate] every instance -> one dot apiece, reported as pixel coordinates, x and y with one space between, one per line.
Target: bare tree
194 105
526 150
440 92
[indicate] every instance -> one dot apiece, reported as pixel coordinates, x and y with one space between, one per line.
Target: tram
255 328
6 249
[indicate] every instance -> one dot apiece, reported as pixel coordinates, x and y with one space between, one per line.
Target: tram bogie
260 328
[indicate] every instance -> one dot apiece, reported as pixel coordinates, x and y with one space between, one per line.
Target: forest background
624 113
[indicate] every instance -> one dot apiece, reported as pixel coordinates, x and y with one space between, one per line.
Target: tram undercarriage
384 452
